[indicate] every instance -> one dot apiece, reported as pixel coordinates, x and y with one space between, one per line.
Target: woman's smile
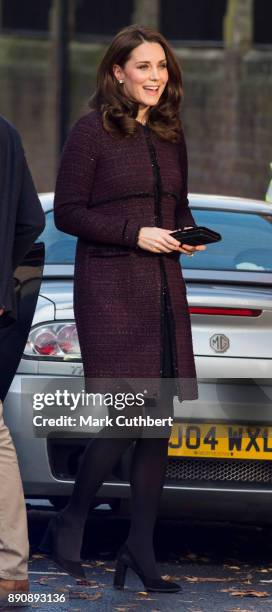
151 89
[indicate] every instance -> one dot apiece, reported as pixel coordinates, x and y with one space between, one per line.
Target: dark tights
146 477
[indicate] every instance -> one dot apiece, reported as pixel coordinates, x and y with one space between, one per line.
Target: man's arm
7 212
21 214
30 218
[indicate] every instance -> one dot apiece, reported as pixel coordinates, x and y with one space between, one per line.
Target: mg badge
219 343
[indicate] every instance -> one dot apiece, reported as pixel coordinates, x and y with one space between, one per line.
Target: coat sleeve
6 236
184 217
21 214
72 206
30 218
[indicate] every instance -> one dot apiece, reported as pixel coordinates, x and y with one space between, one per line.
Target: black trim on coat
165 295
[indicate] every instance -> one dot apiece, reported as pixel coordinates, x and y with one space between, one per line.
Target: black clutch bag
196 235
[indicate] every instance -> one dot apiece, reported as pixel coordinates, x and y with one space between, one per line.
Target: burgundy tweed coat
107 189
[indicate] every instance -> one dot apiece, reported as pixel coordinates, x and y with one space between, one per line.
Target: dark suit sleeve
21 214
8 187
184 216
30 219
74 192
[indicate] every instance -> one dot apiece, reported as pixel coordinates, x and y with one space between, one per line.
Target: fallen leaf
147 599
86 582
207 579
44 581
231 567
125 609
167 577
142 593
109 569
247 579
252 594
128 608
247 593
38 556
99 563
122 609
82 595
229 590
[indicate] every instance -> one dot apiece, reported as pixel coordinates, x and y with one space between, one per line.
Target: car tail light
237 312
58 340
45 343
68 339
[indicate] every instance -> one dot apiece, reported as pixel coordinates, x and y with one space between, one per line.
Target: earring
121 81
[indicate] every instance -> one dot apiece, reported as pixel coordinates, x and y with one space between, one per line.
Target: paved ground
221 567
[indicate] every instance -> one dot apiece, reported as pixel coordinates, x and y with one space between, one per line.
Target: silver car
220 453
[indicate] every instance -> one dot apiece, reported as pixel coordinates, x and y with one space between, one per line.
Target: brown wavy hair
119 112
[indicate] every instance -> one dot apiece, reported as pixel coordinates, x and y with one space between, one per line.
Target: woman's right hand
1 311
158 240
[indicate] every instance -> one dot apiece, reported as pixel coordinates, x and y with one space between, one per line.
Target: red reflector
45 343
236 312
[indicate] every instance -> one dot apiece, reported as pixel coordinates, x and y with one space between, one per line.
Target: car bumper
244 399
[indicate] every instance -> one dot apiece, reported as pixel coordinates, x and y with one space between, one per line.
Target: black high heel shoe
125 560
50 545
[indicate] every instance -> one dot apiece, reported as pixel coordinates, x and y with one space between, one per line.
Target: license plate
229 441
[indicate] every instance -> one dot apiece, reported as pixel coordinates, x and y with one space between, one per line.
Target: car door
13 336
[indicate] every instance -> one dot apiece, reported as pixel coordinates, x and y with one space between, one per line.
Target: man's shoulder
7 131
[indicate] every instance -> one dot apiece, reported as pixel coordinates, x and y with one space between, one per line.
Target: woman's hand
199 247
1 311
158 240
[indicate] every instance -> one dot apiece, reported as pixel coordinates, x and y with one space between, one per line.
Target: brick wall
227 111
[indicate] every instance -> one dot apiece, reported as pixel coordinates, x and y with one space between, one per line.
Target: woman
122 190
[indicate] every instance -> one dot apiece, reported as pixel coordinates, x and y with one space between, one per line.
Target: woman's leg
147 477
98 461
148 472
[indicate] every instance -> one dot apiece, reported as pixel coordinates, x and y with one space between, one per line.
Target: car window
59 247
246 242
